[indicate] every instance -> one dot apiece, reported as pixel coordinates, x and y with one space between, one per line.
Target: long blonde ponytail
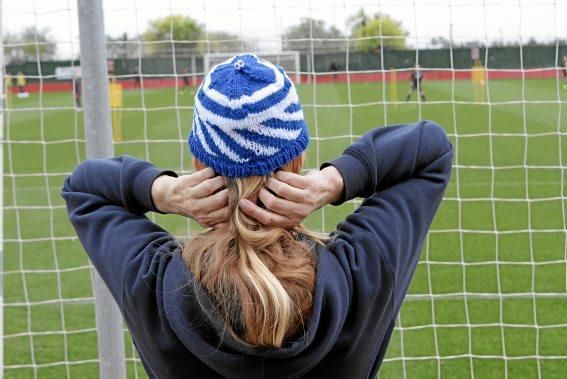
261 280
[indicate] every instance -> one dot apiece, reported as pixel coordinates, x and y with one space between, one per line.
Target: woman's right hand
296 197
199 196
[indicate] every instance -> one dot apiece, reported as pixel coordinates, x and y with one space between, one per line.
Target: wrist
161 193
334 185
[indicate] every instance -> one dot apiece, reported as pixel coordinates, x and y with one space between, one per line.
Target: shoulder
363 257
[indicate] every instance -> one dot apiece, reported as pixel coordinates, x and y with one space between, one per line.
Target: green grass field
491 283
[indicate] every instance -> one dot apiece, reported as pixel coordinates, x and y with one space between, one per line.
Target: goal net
489 295
288 60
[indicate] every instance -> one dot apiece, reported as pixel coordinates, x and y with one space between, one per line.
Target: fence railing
510 57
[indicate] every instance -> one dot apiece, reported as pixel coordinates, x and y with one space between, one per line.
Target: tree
308 33
377 32
224 42
356 19
172 28
29 44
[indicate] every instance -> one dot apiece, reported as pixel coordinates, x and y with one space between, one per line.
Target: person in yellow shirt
21 82
478 75
9 81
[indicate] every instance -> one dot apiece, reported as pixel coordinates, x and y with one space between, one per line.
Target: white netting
288 60
489 295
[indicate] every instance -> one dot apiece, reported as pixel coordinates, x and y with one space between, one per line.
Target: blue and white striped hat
247 119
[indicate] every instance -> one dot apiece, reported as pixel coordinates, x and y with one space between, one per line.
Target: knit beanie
247 118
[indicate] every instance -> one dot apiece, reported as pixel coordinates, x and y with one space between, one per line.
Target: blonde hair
261 280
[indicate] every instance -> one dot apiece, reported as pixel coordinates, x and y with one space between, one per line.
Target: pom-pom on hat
247 118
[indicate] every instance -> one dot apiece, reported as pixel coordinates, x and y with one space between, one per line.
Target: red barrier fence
339 77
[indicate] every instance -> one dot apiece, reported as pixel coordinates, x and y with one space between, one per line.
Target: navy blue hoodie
363 274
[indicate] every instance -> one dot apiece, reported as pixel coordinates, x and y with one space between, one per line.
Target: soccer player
186 81
334 68
137 79
257 294
21 83
77 90
565 72
416 84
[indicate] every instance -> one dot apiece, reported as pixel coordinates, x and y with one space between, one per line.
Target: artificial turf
488 298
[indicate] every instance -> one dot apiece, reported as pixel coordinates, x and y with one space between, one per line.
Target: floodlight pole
98 136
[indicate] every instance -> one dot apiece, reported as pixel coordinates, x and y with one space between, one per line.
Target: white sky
265 20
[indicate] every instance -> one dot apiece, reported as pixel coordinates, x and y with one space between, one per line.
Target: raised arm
390 155
402 172
107 198
106 201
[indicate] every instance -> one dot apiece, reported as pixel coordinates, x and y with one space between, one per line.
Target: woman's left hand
199 196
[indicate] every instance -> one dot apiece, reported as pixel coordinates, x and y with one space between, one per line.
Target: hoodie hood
201 329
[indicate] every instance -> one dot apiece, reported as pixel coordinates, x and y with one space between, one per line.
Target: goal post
99 144
288 60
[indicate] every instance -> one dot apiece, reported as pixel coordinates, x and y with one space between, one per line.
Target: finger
217 217
197 177
263 216
292 179
213 202
208 187
219 225
278 205
285 191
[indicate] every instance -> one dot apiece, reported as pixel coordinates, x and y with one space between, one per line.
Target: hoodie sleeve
402 172
106 201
